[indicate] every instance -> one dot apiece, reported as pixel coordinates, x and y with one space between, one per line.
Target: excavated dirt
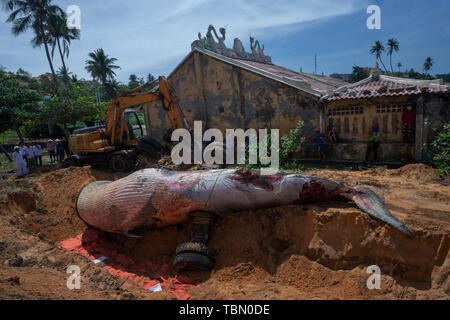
319 251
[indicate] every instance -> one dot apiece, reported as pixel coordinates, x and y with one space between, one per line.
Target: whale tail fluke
372 203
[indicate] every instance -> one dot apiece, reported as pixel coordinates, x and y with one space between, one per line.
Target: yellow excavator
120 141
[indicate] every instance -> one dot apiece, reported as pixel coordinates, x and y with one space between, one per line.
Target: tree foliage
74 103
101 66
17 104
290 145
441 145
358 74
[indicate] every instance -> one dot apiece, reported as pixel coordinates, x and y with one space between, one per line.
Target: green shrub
290 145
441 154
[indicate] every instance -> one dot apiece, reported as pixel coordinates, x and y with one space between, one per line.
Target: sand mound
416 171
59 192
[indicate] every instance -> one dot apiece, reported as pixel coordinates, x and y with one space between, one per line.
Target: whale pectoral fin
130 235
370 202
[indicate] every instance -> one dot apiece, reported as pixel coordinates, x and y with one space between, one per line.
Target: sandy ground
296 252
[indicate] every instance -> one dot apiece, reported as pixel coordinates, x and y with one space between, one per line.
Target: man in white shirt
37 154
29 157
20 163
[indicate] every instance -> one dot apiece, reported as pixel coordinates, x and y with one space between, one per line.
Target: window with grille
349 110
390 108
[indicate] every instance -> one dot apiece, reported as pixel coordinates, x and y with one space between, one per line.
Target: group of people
332 137
56 149
28 156
372 147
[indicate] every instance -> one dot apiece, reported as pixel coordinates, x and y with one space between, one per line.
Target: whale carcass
154 198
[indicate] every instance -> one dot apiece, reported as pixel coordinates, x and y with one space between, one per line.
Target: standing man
37 153
408 121
60 150
320 144
51 146
29 157
374 137
20 163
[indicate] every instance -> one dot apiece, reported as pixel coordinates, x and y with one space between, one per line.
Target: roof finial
375 72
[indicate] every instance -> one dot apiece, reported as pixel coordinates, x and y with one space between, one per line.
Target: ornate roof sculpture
238 51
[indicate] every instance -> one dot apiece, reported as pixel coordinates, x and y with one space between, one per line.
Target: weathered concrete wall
225 96
353 128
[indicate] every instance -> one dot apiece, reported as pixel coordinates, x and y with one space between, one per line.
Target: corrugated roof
388 86
311 83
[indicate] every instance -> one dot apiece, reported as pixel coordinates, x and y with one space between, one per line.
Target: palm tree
100 66
399 65
392 46
377 49
111 89
34 14
150 78
427 64
64 73
60 32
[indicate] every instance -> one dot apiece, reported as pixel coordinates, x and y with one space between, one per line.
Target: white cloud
151 36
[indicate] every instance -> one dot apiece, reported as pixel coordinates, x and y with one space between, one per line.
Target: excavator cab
130 129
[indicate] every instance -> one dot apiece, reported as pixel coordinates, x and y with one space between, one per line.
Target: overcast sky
154 36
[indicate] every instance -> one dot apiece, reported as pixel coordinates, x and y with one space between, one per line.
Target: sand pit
293 252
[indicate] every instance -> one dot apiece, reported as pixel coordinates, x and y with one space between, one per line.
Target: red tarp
91 245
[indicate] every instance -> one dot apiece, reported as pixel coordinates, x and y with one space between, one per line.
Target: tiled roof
313 84
383 85
321 84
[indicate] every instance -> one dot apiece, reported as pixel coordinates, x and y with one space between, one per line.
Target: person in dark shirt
372 146
320 143
408 121
60 150
332 135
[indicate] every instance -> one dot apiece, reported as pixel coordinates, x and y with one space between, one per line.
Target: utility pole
315 63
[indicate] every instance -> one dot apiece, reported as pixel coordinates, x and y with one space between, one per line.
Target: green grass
5 164
306 167
7 135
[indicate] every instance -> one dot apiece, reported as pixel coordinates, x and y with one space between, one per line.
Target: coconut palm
74 78
399 65
64 73
101 66
378 49
392 46
34 14
111 89
427 64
